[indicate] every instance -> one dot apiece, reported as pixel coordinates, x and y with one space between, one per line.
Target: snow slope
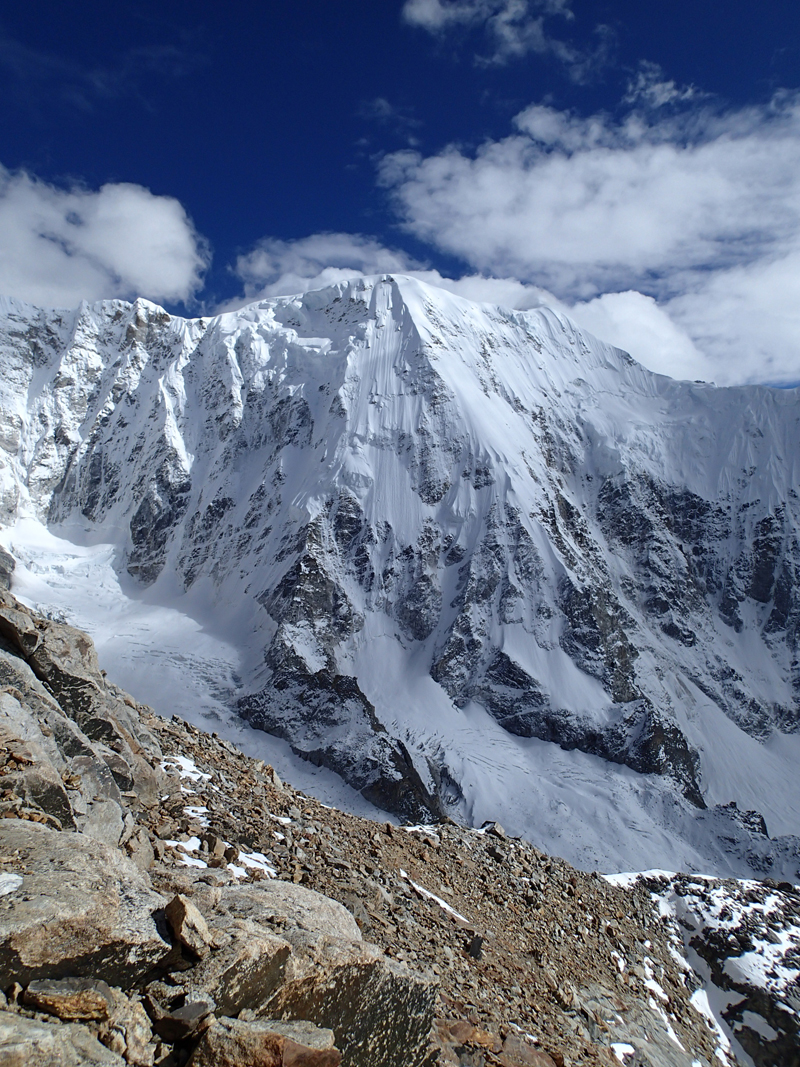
473 560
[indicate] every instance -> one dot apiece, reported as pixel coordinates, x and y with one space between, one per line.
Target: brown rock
460 1031
128 1032
265 1043
141 851
188 925
71 999
517 1052
125 1026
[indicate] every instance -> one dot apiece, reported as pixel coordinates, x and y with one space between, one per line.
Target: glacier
473 561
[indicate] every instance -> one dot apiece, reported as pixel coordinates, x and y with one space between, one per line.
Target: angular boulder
65 659
265 1043
301 915
31 763
82 910
381 1013
24 1042
242 974
188 925
71 999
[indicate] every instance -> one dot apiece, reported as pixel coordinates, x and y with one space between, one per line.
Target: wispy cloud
651 88
83 87
394 117
60 246
511 29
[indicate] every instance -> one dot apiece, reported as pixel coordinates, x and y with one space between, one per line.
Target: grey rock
29 711
180 1023
633 1023
83 910
140 850
7 565
16 676
188 925
380 1012
299 915
17 627
243 972
96 777
103 821
26 1041
65 659
32 762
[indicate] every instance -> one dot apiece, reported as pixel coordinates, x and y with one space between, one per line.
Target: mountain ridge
445 520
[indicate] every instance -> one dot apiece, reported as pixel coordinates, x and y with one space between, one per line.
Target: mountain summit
475 561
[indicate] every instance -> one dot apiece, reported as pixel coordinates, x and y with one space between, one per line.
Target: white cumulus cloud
60 246
282 268
699 211
636 323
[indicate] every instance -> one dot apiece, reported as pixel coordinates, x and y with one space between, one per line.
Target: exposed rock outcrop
140 977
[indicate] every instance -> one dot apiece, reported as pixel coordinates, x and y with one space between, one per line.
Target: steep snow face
459 547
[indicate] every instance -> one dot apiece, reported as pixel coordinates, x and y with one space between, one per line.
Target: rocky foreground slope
164 899
467 554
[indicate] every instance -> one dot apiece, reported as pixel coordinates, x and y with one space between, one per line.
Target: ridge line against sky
514 151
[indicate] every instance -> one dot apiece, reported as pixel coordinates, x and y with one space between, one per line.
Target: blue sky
637 165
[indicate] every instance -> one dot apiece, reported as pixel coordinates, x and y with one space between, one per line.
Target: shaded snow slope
473 560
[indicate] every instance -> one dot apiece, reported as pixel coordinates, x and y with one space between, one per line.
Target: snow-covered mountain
474 560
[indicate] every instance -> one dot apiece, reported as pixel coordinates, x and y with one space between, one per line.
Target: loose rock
83 909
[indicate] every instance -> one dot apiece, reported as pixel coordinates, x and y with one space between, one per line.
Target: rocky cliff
451 542
108 954
165 900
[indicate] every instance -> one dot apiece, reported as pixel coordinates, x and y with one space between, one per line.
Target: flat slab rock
265 1043
71 999
299 915
82 909
24 1042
